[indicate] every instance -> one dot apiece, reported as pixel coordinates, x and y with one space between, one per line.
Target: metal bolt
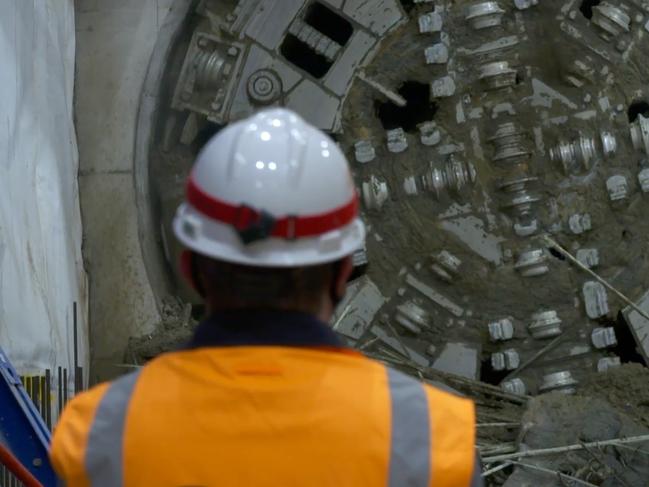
560 382
606 363
484 15
603 337
588 257
643 179
618 187
501 330
514 386
364 151
545 324
595 299
375 193
397 141
532 263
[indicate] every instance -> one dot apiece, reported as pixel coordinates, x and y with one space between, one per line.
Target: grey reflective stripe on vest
104 460
410 448
476 478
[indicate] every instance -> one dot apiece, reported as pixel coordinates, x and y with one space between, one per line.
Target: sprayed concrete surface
114 43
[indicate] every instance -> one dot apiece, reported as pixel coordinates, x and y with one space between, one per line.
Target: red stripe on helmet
242 216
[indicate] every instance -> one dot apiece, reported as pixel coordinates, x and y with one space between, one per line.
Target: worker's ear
186 264
345 268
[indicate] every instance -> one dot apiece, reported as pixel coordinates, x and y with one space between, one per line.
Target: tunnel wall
41 267
115 40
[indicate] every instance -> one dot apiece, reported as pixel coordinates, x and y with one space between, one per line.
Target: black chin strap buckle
253 225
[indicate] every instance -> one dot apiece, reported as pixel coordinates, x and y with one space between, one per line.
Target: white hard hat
271 191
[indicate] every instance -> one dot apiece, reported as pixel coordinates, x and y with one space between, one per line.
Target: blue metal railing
22 429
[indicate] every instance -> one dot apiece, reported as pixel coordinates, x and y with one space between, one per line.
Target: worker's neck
324 312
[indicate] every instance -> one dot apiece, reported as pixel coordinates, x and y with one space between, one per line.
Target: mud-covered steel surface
527 119
547 110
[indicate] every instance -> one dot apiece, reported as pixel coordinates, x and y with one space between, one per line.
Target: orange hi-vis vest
268 400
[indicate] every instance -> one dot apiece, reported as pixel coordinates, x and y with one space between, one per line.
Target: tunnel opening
418 108
301 55
640 107
329 23
586 8
626 348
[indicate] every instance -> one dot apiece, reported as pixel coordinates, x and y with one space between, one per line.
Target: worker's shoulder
80 411
72 429
81 408
78 416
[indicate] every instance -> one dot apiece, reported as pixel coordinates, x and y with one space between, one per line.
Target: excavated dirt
626 388
174 330
607 406
555 420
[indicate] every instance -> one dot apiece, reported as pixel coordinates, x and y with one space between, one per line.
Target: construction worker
266 394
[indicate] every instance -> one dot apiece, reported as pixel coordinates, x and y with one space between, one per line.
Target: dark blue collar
269 328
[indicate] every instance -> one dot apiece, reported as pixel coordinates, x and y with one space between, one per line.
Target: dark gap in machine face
489 375
209 130
358 272
199 312
305 58
407 5
636 108
556 254
626 348
329 23
586 8
418 109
